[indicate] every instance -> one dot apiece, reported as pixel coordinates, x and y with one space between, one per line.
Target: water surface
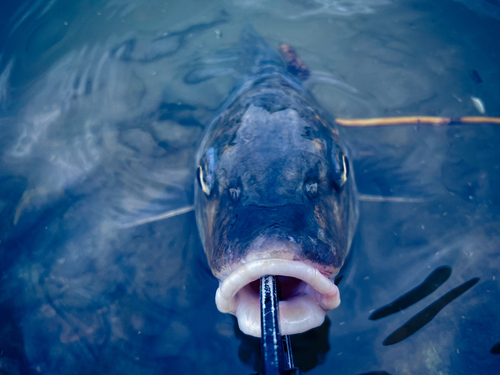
102 107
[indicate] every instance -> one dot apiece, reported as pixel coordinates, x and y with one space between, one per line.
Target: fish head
275 196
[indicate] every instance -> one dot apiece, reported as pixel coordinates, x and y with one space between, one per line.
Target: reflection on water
309 348
102 108
296 9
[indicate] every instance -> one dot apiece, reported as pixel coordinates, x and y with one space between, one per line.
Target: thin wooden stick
418 120
166 215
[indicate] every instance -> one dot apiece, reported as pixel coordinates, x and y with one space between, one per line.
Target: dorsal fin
255 47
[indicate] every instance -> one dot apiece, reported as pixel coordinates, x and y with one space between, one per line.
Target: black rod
271 341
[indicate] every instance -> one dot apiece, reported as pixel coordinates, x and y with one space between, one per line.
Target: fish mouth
306 295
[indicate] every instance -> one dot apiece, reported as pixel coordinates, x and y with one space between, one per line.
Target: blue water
102 107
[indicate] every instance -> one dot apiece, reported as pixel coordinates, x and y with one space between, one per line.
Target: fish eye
206 171
340 169
311 188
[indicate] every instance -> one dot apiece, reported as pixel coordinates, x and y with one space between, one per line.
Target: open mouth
306 295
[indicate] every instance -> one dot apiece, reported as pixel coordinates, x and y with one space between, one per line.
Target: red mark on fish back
294 63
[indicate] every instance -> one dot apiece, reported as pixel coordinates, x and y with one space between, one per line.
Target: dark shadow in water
347 263
159 48
375 373
309 348
430 284
427 314
495 349
475 77
200 75
179 112
12 359
338 279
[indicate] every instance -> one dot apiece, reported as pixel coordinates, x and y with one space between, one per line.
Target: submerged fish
274 196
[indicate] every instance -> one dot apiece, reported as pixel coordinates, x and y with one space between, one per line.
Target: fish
274 195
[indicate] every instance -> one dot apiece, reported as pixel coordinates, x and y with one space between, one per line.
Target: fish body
274 195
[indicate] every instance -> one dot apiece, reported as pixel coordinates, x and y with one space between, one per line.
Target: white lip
305 310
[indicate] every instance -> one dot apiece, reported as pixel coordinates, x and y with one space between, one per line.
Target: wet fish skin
273 178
